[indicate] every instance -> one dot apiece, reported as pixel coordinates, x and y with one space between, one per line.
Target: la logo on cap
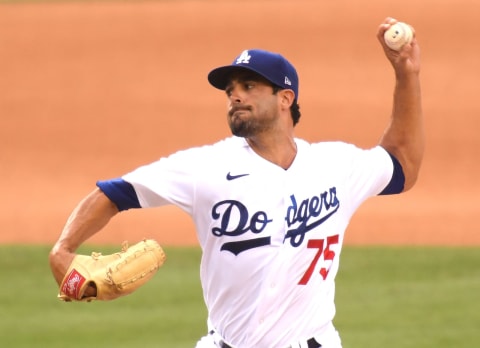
243 58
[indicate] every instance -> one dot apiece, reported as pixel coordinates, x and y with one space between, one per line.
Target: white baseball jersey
271 238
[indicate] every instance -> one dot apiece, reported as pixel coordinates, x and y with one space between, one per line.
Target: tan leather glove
114 275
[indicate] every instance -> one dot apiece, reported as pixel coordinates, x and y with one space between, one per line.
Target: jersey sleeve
170 180
120 192
397 182
374 172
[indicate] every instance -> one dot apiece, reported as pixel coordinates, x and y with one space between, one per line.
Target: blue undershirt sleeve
397 182
120 192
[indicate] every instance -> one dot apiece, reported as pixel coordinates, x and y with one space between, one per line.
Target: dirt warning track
89 91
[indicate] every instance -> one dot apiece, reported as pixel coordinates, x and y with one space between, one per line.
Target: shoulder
210 150
229 143
338 147
325 148
344 154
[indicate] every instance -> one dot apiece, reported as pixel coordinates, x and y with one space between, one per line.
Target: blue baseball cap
271 66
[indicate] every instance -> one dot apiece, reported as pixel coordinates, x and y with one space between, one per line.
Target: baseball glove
114 275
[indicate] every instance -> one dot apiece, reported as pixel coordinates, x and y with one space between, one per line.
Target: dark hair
294 108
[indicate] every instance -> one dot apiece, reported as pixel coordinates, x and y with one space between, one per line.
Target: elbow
410 164
411 169
410 181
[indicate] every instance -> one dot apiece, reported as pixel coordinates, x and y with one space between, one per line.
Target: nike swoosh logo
233 177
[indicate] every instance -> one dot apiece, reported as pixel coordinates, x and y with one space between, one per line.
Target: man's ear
287 97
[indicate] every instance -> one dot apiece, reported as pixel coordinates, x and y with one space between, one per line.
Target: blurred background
91 90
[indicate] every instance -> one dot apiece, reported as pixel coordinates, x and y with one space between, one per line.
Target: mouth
235 110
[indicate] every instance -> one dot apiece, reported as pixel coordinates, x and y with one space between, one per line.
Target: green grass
168 311
386 297
409 297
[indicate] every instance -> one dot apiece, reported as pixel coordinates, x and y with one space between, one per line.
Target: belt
311 343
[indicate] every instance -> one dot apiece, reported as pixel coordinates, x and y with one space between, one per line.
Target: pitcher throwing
270 209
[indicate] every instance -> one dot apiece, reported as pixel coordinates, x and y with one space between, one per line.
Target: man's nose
235 95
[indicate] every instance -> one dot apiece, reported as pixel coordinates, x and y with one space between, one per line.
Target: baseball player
270 209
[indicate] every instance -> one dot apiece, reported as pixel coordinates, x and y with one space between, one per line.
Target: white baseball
398 35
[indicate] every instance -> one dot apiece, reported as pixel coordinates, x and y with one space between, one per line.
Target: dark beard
249 126
241 128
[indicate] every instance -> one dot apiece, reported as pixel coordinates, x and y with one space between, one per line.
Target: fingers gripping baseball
111 276
394 34
399 43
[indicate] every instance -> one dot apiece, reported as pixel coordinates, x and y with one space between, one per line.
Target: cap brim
220 77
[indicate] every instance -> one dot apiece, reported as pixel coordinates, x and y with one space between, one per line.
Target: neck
279 151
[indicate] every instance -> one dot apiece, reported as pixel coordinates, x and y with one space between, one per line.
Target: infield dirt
90 91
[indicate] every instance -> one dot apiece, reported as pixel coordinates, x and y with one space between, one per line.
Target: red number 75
328 255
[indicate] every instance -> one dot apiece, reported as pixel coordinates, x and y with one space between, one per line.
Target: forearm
89 217
404 136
